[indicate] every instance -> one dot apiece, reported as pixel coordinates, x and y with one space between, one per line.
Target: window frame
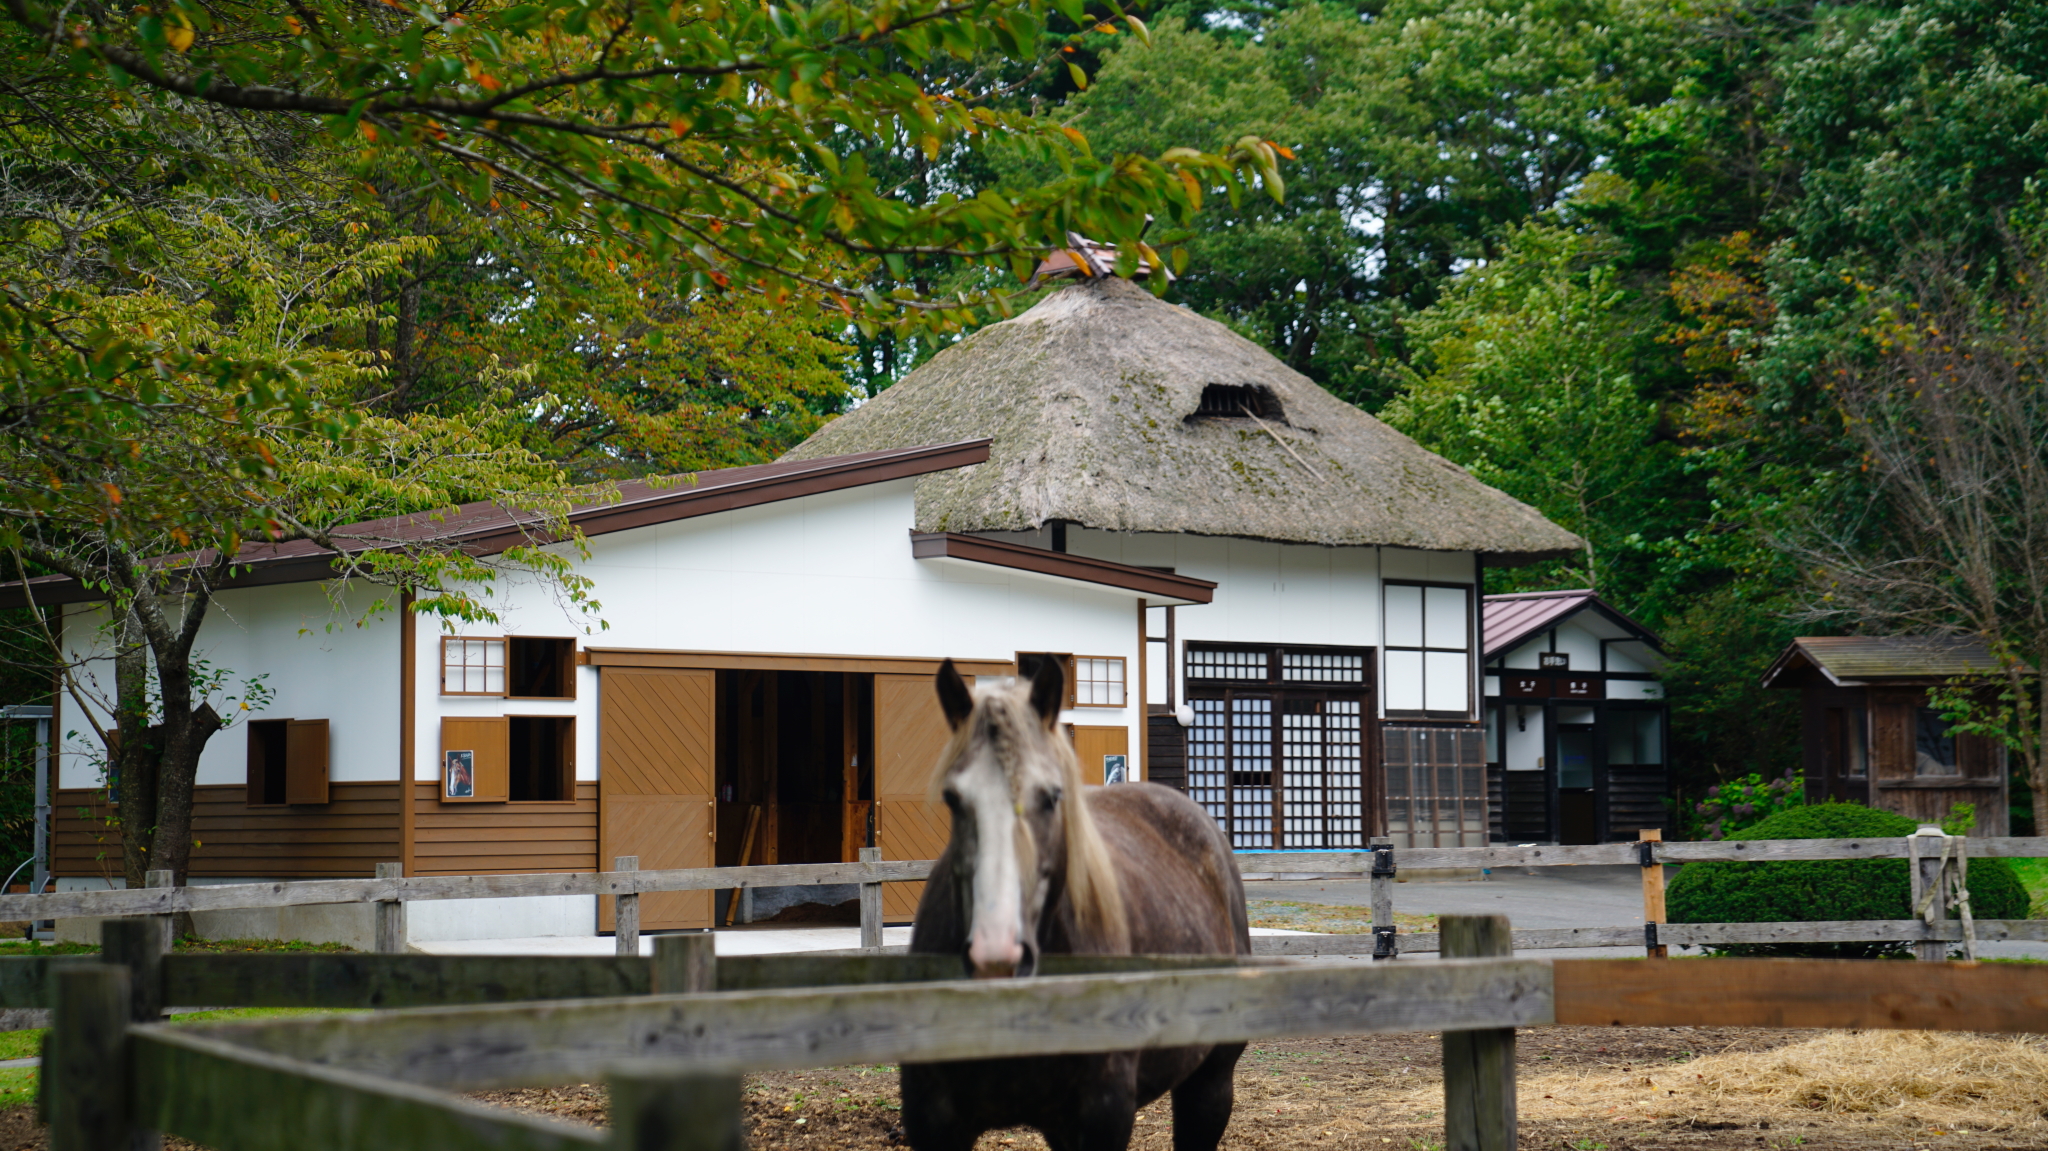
1470 651
1074 682
505 665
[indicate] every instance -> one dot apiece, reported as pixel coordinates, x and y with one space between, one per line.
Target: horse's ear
954 697
1048 690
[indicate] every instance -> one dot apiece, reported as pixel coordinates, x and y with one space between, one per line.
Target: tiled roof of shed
1848 659
1510 619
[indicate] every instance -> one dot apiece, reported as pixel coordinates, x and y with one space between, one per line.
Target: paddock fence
672 1034
1931 932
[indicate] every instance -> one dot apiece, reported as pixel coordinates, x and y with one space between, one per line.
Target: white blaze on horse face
995 937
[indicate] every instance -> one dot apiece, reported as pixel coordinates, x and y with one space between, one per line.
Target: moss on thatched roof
1091 398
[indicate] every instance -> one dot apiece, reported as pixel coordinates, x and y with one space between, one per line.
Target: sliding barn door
656 743
910 732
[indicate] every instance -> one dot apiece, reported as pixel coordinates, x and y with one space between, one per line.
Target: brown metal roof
1849 660
1509 619
487 528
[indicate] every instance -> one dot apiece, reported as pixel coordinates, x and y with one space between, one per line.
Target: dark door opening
795 772
1577 801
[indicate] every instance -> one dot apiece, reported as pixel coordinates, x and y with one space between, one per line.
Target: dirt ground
1582 1089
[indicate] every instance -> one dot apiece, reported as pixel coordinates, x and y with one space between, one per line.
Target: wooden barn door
910 732
656 744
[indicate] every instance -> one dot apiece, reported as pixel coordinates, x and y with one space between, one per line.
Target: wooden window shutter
305 761
488 742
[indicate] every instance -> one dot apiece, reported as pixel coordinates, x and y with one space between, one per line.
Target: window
522 667
542 750
1934 745
1634 739
1429 651
1235 399
1098 681
287 762
521 758
1436 787
1277 750
472 666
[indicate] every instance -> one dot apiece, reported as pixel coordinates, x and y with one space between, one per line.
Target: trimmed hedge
1827 889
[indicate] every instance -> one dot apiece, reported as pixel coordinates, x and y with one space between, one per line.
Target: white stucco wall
321 659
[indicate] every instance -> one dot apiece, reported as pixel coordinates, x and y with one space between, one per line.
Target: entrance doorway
795 774
1578 814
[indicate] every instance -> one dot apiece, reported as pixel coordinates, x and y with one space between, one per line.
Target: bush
1824 889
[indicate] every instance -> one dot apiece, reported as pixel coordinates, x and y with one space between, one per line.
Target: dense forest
1744 292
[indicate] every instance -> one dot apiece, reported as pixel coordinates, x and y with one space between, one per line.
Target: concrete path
1531 897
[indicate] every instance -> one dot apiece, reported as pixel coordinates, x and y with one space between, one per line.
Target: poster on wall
1113 769
458 775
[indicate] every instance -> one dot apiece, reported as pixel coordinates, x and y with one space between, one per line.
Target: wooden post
1925 864
391 914
627 910
1383 929
138 946
166 922
685 963
870 905
1479 1066
85 1062
1653 887
698 1112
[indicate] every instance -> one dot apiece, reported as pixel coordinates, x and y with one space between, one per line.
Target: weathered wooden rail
390 891
672 1055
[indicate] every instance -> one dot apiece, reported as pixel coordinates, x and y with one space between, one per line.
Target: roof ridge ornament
1086 259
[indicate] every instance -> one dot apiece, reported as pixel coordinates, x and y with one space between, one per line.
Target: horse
1039 865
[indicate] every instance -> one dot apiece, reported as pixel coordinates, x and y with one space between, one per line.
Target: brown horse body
1154 875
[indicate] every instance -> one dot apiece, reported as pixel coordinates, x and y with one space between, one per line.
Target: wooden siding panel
345 838
910 734
657 746
1635 801
503 839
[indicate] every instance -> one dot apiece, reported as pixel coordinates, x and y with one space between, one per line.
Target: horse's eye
1049 799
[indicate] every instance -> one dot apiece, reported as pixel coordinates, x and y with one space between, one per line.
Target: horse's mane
1092 887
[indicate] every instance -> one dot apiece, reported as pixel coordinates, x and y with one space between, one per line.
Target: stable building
1868 736
1260 594
1576 723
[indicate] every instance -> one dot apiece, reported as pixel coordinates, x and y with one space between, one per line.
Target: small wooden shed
1870 737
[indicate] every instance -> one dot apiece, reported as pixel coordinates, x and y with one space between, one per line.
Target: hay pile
1918 1079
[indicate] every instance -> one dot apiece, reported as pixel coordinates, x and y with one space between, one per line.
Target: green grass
211 946
2033 875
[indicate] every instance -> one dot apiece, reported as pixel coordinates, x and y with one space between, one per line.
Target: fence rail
380 1081
391 891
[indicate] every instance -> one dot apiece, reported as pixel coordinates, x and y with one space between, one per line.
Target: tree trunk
2037 756
132 752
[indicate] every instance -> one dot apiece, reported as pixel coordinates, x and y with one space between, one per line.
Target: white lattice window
1098 681
472 666
1228 664
1322 667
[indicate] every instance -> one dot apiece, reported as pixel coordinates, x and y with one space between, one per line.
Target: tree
1943 526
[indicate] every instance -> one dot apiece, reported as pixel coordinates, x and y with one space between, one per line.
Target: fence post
684 964
165 922
390 921
1926 871
85 1061
1653 891
870 905
1479 1066
137 945
653 1112
1383 929
626 925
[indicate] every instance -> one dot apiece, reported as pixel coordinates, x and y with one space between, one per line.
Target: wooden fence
390 891
672 1048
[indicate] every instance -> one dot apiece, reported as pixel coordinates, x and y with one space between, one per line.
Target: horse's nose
994 958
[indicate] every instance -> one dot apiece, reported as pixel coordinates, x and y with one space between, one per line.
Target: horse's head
1021 834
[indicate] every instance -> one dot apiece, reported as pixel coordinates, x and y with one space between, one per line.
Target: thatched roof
1091 398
